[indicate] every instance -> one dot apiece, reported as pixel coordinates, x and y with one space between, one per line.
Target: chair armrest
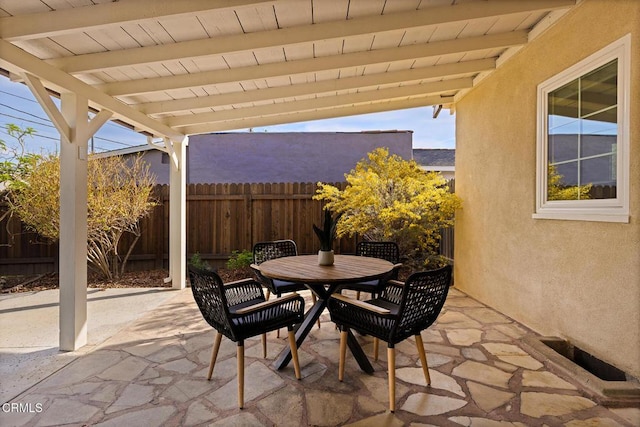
255 267
262 305
361 304
241 282
395 283
397 266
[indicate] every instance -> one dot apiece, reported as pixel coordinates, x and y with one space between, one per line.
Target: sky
19 107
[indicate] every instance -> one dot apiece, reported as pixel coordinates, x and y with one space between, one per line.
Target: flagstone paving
153 373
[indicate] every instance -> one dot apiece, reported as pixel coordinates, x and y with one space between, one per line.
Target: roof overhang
174 68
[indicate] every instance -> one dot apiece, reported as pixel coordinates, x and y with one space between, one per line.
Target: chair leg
343 352
391 362
278 331
294 352
357 294
376 343
264 345
214 353
423 359
267 295
240 357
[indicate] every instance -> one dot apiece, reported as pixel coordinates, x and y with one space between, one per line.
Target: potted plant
326 235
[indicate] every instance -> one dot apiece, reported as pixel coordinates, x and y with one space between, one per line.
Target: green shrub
197 262
240 259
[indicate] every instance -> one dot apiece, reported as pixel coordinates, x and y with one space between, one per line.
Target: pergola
174 68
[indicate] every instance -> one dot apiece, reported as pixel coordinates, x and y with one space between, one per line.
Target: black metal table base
310 319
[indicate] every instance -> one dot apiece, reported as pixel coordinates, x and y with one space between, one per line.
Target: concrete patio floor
153 373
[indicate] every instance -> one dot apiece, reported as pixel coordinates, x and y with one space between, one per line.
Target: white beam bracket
166 148
43 97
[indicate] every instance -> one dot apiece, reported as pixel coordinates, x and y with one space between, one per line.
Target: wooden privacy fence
23 252
221 218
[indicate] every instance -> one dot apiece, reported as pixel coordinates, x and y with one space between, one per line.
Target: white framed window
583 139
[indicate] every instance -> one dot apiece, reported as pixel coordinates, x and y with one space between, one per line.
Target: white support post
73 224
75 130
178 214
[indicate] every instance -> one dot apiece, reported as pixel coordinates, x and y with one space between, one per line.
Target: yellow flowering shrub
389 198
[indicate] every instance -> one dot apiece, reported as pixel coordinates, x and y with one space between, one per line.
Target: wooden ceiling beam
328 113
333 85
322 102
78 19
311 65
296 35
16 60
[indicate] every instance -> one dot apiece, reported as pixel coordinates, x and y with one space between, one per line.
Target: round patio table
324 281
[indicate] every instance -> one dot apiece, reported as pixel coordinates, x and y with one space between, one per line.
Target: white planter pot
325 257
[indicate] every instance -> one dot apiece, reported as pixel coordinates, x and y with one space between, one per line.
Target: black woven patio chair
238 310
384 250
265 251
401 310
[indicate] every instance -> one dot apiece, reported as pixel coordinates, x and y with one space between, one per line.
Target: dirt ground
135 279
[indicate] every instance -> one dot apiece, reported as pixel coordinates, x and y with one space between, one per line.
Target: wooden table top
305 268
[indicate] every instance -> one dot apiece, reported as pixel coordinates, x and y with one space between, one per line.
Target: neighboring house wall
579 280
278 157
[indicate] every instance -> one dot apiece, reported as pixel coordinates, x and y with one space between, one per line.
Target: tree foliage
119 195
389 198
15 162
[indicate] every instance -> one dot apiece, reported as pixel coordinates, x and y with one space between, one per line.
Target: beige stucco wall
574 279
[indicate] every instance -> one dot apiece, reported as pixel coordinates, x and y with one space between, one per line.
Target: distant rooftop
434 156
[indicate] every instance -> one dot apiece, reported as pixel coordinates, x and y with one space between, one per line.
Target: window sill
583 216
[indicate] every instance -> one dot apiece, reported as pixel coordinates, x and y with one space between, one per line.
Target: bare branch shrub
118 196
